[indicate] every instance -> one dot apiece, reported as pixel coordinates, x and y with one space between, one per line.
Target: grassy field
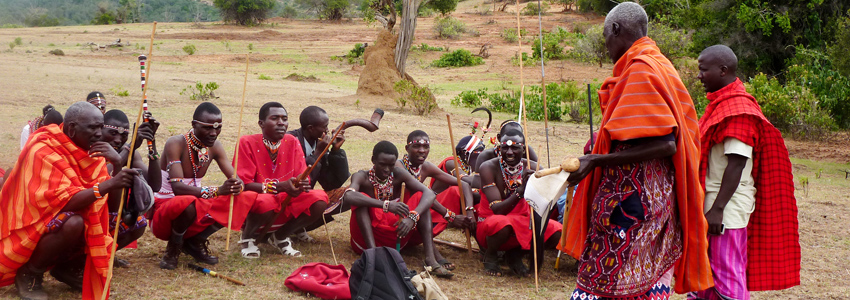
32 78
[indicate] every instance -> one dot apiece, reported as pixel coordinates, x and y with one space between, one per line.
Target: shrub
19 41
190 49
688 71
41 20
420 98
553 44
12 45
443 6
598 6
532 9
288 12
200 91
590 47
120 91
815 71
451 28
333 9
458 58
791 108
838 51
425 48
470 98
566 3
244 12
251 47
510 36
672 42
354 56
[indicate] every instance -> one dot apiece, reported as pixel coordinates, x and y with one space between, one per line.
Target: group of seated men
88 148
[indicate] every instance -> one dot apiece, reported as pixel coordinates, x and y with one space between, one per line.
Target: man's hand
464 222
293 187
715 221
399 208
103 149
147 131
340 139
124 179
232 186
404 227
583 170
322 143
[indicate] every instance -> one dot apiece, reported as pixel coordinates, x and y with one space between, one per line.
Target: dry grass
30 80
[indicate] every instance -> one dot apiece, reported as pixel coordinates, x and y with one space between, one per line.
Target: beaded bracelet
270 187
489 185
450 215
386 205
168 166
153 156
96 190
208 192
175 179
414 216
494 203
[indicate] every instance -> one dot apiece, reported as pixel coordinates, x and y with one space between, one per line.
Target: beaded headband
420 141
511 143
215 125
120 129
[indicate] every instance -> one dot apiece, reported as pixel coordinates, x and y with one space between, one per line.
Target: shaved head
717 65
83 124
722 55
624 24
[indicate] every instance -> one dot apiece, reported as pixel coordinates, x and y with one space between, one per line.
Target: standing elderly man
54 211
749 189
639 208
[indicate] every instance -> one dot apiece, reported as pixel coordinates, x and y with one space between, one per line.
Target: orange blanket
50 171
646 98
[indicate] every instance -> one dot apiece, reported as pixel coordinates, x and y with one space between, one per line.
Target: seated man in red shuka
186 212
503 214
381 218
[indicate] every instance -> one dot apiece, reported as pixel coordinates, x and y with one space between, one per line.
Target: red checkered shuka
773 239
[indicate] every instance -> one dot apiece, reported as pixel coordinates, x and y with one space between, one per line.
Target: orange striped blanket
49 171
646 98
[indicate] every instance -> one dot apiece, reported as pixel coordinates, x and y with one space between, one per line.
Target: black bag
380 273
139 200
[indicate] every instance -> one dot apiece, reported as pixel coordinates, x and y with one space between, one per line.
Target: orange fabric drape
646 98
50 171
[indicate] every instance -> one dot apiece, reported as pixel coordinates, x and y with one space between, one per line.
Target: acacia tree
245 12
385 13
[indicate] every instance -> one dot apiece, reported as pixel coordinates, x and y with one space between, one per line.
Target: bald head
717 66
83 124
624 24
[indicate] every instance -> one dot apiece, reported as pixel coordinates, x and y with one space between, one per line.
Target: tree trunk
405 33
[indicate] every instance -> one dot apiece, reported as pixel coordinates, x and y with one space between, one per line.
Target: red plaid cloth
773 239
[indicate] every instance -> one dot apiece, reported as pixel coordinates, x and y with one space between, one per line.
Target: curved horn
370 125
489 115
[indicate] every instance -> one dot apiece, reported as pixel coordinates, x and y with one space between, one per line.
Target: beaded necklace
416 172
383 190
273 150
512 175
200 152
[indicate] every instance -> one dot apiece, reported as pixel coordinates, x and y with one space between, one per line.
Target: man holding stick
503 214
54 212
637 216
269 164
749 188
383 216
186 213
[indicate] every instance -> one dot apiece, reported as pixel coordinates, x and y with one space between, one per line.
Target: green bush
120 91
288 12
600 7
443 6
451 28
264 77
190 49
426 48
41 20
815 71
354 56
532 9
688 72
566 3
510 36
553 44
458 58
470 98
421 98
590 47
672 42
838 51
200 91
792 108
12 45
245 12
19 41
333 9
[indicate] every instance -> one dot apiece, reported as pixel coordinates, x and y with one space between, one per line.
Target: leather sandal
252 251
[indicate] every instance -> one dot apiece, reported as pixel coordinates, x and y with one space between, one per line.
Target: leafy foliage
470 98
328 9
451 28
190 49
838 50
354 56
458 58
78 12
510 36
814 70
288 12
792 108
562 99
553 44
201 91
532 9
426 48
443 6
421 98
590 46
598 6
245 12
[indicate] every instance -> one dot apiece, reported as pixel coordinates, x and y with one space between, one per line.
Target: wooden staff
300 178
459 182
397 238
236 151
563 240
214 273
124 191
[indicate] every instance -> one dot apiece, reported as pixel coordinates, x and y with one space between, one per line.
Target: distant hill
77 12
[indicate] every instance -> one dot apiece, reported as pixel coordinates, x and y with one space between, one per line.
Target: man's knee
318 207
74 227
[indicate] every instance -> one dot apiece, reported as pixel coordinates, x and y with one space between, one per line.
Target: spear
114 246
236 151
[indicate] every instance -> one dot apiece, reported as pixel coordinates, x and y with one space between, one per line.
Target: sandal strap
247 241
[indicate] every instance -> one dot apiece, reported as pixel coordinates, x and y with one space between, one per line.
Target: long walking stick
236 151
124 191
459 182
543 86
143 70
300 178
397 238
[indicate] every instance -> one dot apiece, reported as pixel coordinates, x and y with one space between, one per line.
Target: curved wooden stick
459 182
129 164
570 165
236 151
300 178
